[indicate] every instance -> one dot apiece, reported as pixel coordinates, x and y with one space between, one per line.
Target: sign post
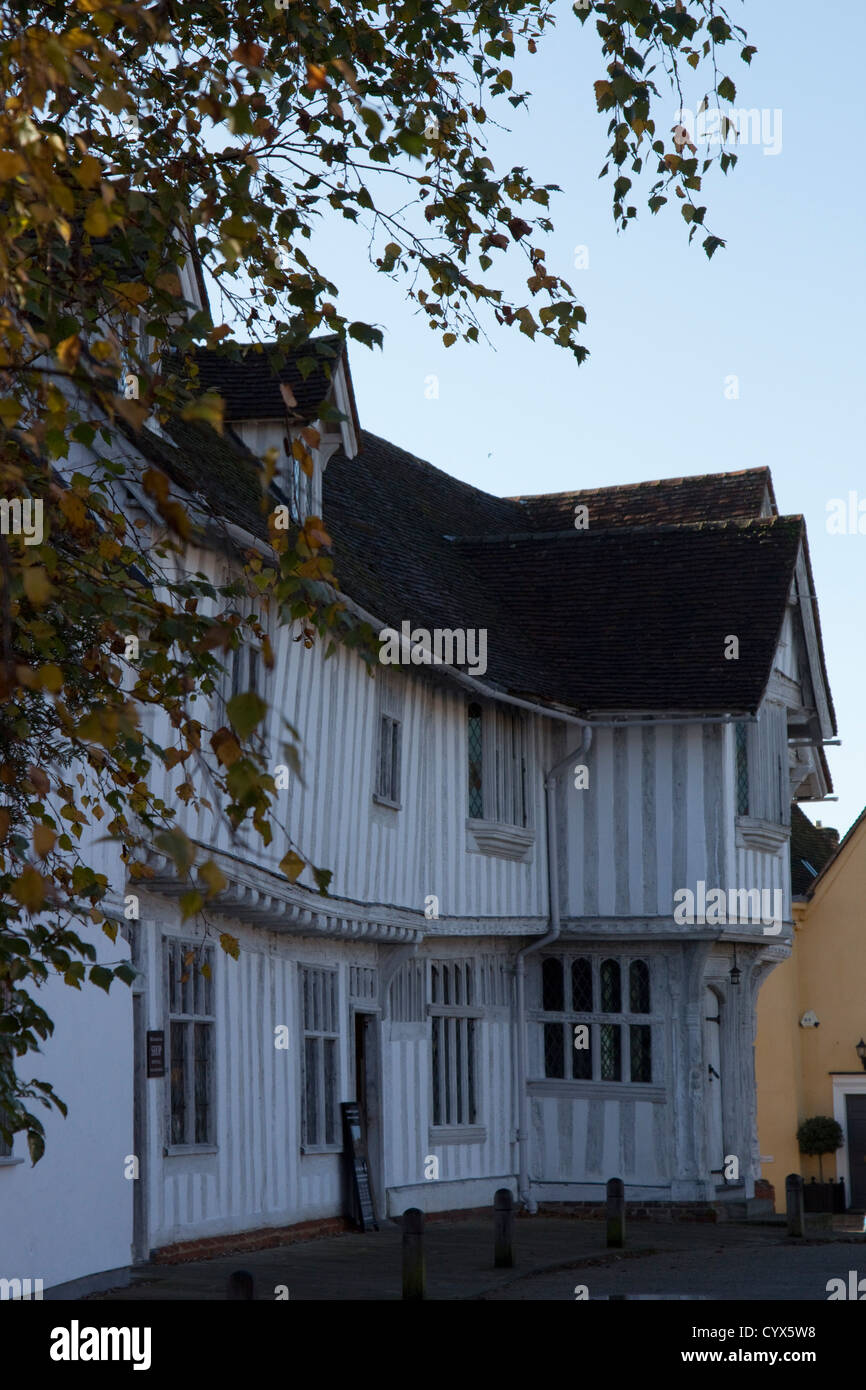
356 1156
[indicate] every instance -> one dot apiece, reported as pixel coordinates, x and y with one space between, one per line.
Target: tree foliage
820 1135
138 141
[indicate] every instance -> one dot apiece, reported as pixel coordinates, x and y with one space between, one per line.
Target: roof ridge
654 528
647 482
434 468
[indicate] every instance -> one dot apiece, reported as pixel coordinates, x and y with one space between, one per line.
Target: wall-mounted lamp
861 1052
736 973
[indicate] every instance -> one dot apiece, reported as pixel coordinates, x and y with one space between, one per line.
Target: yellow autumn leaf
68 351
50 678
29 888
37 585
88 172
72 508
131 292
44 839
213 877
292 865
10 164
96 221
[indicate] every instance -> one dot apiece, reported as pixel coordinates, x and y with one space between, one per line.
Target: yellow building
812 1014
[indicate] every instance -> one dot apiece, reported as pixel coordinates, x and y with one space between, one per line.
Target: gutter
550 785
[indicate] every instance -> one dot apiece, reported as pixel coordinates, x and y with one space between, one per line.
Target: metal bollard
503 1229
615 1214
414 1273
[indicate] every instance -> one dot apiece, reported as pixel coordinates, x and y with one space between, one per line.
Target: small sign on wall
155 1053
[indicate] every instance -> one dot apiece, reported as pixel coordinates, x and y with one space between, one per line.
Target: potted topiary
818 1136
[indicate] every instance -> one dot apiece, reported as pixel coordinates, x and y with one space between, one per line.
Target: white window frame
505 773
319 1016
455 1076
202 989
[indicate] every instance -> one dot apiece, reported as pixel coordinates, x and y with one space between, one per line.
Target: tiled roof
219 468
838 847
617 618
811 845
667 502
250 386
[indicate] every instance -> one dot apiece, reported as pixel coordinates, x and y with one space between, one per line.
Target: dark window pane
581 985
641 1052
476 800
459 1035
470 1064
611 997
202 1082
554 1061
437 1062
448 1056
173 979
742 769
330 1050
611 1052
178 1085
311 1091
639 987
581 1057
552 992
395 761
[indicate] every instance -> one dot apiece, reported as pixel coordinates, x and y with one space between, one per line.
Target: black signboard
359 1178
155 1053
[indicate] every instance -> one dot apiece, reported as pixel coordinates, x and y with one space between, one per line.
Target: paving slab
459 1260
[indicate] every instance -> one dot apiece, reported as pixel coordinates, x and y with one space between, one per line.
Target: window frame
190 1022
328 1004
624 1020
505 774
456 1100
389 726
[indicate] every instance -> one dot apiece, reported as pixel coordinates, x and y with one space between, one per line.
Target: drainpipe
550 783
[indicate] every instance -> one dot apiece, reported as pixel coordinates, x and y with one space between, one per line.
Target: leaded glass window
607 1037
742 768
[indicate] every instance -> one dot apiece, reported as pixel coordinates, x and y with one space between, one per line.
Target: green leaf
177 847
245 712
412 142
191 902
101 977
727 90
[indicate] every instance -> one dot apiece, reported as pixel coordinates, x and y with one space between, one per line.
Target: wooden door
856 1127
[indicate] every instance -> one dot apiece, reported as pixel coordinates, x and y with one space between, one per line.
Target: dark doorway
856 1117
368 1097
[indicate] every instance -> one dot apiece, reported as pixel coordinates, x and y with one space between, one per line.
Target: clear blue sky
781 307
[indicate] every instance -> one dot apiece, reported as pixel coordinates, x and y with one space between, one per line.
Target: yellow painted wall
826 972
778 1072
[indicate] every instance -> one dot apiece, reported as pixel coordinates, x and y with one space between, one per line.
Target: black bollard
414 1273
615 1214
794 1205
503 1229
240 1284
